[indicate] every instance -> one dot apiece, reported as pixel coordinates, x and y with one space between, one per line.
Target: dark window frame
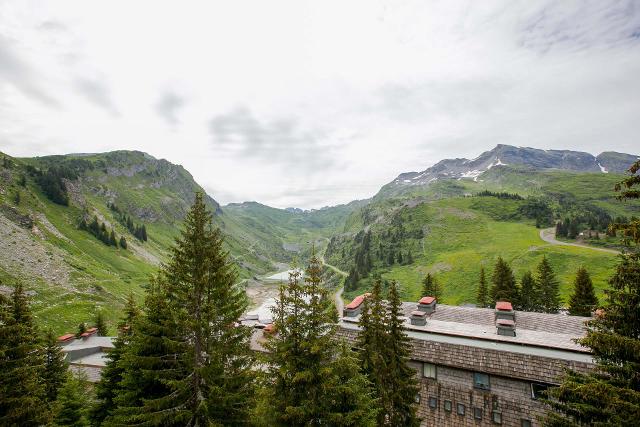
525 422
477 413
480 385
448 405
496 417
461 409
433 402
435 370
542 387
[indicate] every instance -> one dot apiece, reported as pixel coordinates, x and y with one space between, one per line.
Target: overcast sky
307 104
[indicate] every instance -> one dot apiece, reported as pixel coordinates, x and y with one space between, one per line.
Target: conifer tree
483 294
310 381
583 301
409 258
22 394
372 338
110 383
101 324
529 295
82 328
548 287
430 287
351 400
123 242
214 385
146 369
401 381
611 394
503 283
70 406
54 373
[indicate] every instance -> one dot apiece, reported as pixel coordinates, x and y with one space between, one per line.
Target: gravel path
548 235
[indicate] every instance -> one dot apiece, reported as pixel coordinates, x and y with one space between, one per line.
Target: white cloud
327 101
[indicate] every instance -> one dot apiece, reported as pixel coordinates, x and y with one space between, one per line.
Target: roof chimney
354 307
418 318
505 319
427 304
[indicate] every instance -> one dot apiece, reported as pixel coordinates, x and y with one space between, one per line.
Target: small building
87 353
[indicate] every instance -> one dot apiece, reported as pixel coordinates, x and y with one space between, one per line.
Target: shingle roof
532 329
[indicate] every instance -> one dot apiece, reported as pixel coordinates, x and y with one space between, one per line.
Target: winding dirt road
548 235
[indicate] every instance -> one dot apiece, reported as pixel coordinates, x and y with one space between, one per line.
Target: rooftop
553 331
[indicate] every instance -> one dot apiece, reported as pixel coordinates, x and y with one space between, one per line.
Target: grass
461 238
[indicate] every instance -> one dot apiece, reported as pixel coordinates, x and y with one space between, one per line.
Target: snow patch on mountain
602 168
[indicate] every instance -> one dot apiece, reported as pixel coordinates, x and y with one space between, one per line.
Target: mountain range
70 271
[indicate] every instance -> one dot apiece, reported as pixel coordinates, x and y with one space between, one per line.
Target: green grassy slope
71 274
462 239
461 233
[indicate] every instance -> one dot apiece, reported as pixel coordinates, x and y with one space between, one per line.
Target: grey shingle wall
511 375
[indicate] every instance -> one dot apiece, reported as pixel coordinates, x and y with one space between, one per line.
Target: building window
417 398
460 408
433 402
477 413
447 405
481 381
525 422
496 417
538 390
429 370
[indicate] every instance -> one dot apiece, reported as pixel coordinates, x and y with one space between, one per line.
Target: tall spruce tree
146 367
371 342
430 287
503 283
54 371
215 381
22 393
611 394
483 292
548 287
351 395
529 295
401 378
70 408
110 383
583 301
309 380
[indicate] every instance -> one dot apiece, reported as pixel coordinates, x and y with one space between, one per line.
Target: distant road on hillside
548 235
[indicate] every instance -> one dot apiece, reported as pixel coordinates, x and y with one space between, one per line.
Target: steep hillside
47 209
460 214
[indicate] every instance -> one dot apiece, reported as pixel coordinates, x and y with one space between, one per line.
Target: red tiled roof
269 328
505 322
426 300
357 301
504 306
65 337
89 332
